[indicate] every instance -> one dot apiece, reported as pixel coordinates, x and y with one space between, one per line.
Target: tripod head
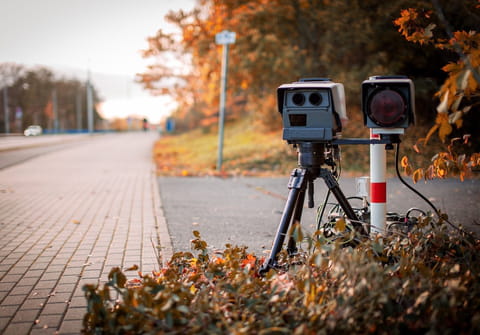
313 155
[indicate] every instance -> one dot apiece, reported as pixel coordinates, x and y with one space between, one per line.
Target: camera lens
315 99
298 99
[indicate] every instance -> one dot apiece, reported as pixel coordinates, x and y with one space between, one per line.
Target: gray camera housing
312 110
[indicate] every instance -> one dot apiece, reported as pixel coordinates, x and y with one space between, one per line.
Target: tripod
311 157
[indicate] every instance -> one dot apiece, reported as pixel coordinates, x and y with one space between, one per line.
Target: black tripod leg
333 186
297 187
297 216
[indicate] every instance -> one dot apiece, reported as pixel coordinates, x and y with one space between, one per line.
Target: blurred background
51 50
129 64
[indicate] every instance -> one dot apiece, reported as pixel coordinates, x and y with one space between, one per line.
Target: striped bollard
378 186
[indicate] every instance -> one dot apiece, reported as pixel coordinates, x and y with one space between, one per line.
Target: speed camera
311 109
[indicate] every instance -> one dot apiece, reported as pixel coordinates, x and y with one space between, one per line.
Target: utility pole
89 105
224 38
78 110
5 110
55 111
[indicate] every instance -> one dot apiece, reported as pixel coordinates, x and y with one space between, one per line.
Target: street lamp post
224 38
78 110
90 120
55 111
5 110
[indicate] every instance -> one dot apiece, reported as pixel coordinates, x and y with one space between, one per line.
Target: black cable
397 151
320 216
338 172
414 209
437 212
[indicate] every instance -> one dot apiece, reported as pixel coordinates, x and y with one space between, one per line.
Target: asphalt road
246 210
18 149
13 157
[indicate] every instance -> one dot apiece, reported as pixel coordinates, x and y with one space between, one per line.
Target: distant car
33 131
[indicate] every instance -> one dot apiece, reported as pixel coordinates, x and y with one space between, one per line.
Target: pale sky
104 36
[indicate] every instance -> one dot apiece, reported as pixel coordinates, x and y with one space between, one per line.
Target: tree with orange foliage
278 41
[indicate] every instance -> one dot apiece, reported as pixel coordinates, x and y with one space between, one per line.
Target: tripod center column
311 155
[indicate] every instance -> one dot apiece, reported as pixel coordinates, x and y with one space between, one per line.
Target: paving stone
7 311
60 288
4 321
26 284
18 328
25 315
78 301
44 331
51 322
14 300
39 266
6 286
45 284
33 304
70 270
55 268
33 273
11 278
68 280
54 308
75 313
71 327
91 274
60 297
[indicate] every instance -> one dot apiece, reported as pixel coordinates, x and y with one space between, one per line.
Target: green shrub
426 281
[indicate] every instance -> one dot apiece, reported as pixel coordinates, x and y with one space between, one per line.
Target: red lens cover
386 107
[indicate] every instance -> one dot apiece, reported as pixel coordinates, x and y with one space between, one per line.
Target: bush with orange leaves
423 282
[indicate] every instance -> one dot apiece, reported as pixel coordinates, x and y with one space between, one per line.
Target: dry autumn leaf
340 224
134 267
417 175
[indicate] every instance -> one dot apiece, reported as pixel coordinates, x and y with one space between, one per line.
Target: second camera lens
315 99
298 99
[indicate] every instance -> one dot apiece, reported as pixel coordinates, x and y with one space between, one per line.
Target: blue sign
170 125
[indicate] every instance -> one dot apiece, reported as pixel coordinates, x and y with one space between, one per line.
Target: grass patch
250 151
246 151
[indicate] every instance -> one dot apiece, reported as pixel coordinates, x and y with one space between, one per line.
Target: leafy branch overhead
460 92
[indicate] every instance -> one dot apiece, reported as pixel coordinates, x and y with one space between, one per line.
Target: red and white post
378 186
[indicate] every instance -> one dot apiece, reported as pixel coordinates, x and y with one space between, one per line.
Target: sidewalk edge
164 242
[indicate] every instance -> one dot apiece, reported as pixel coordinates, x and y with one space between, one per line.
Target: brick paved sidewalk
67 218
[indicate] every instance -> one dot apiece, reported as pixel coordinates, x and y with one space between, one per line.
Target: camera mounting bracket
384 139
